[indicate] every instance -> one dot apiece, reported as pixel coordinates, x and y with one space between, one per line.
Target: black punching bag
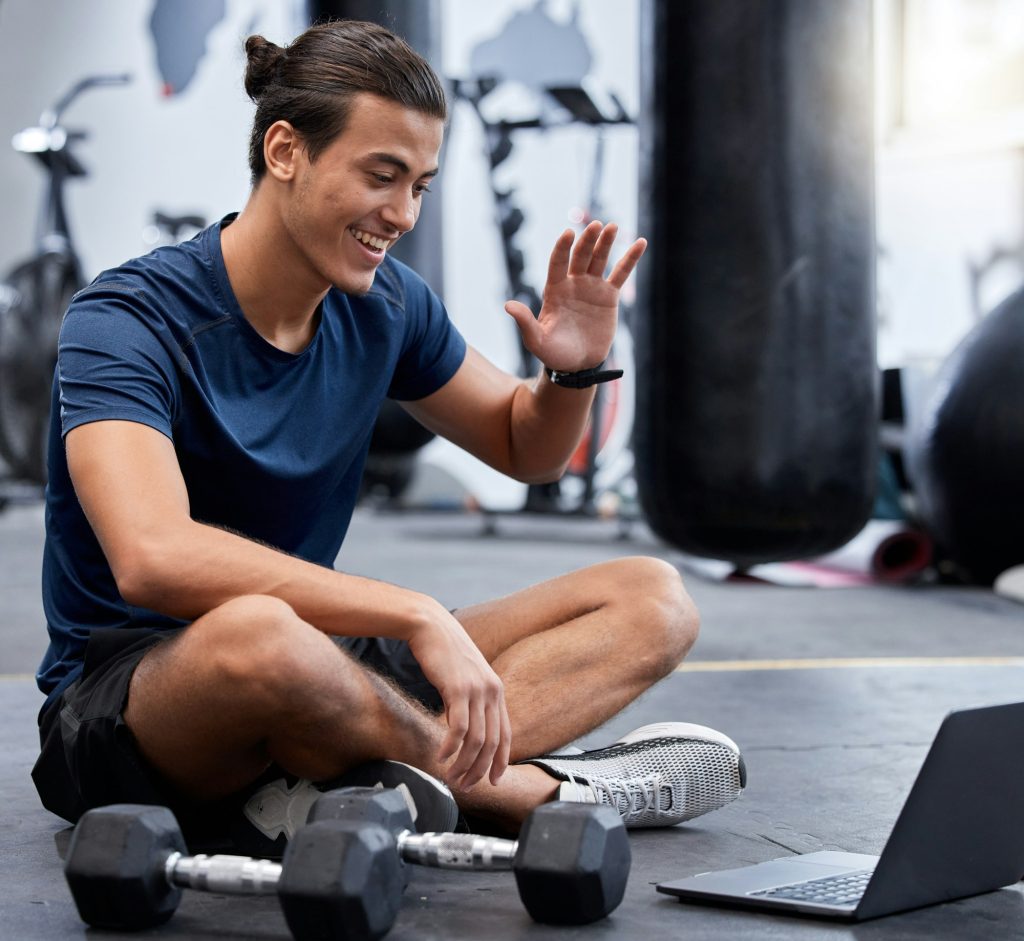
756 377
965 456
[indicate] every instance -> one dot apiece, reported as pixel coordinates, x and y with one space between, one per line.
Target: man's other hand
479 735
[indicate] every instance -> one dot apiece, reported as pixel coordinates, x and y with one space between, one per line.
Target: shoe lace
628 797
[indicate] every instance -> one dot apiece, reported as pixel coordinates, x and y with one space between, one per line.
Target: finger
492 740
457 716
558 264
624 268
603 250
472 742
502 755
584 249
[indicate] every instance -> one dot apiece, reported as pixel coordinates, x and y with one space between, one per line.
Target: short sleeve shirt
271 444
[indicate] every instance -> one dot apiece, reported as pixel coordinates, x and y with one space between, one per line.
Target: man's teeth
371 240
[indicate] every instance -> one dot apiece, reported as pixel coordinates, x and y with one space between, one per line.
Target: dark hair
310 83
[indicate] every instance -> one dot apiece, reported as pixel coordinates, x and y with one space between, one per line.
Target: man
216 401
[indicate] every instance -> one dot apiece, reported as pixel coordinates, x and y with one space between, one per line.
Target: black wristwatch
583 379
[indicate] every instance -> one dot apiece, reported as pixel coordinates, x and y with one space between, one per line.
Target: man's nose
402 212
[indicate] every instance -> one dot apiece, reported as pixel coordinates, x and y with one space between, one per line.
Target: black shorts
89 757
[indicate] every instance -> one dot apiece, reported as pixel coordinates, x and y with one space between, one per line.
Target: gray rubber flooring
832 741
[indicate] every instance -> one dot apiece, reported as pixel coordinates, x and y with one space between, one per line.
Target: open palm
579 314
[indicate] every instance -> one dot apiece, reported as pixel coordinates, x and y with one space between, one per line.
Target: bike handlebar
51 116
575 101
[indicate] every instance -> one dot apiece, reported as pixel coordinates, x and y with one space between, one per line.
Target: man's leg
572 652
251 683
575 650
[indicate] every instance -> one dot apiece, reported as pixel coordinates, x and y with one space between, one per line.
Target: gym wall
950 186
183 151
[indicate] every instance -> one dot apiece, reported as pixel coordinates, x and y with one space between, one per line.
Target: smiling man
213 409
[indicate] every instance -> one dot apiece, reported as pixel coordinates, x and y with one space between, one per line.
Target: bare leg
251 683
574 651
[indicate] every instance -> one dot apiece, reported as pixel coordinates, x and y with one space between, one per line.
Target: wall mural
180 30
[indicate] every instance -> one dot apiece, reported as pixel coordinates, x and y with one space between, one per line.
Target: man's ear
282 148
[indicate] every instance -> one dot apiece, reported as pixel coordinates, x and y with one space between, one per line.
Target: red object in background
609 413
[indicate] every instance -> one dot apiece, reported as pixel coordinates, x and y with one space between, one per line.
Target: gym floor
833 695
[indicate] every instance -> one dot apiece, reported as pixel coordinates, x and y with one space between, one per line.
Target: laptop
960 833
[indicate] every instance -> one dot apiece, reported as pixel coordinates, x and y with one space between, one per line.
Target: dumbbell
571 861
126 867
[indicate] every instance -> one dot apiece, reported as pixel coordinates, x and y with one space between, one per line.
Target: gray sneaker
657 776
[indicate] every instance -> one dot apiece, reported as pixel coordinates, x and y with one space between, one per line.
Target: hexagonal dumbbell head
572 863
341 880
385 807
115 866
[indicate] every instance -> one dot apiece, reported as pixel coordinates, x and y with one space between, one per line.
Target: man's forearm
546 425
193 568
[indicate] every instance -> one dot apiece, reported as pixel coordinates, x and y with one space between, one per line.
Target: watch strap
583 379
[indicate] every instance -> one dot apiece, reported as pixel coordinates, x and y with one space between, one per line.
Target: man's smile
371 241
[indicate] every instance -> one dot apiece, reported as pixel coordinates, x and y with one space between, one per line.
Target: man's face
364 191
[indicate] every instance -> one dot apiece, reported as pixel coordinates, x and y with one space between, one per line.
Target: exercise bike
603 462
35 294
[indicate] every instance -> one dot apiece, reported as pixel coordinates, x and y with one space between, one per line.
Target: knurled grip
457 851
231 875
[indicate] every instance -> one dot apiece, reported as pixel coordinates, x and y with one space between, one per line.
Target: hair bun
264 57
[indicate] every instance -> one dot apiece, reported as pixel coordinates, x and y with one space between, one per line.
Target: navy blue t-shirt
271 444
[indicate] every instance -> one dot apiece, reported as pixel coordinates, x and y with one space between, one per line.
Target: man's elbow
139 573
547 475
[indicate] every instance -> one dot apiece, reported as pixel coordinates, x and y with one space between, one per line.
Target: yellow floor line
839 663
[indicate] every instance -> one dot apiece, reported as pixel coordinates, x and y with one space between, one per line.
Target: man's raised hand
579 314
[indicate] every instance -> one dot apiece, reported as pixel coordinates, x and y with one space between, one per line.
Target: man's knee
663 610
246 624
258 645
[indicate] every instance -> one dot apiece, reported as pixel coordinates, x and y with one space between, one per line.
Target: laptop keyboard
845 889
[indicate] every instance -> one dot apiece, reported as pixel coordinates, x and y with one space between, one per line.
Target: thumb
525 320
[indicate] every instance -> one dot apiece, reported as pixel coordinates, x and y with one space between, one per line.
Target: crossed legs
251 683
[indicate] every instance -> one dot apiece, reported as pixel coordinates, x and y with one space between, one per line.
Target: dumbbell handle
230 875
457 851
240 875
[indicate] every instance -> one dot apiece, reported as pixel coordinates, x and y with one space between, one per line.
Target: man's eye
421 188
382 178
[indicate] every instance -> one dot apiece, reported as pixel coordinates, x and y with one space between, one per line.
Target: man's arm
529 429
128 481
